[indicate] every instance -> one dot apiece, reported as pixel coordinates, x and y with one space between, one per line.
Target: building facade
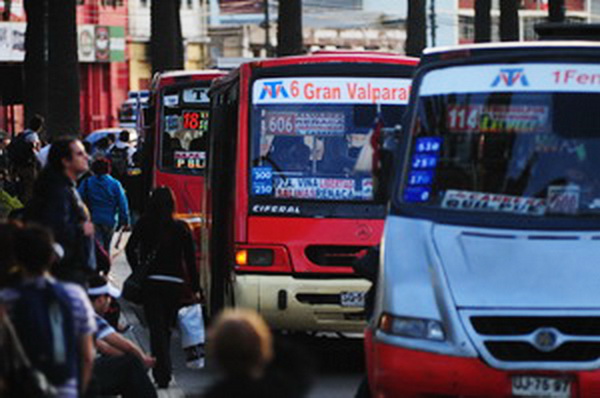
103 72
194 16
531 12
101 30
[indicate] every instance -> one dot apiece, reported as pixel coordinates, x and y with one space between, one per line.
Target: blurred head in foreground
240 343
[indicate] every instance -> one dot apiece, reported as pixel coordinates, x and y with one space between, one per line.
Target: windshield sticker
195 120
480 201
420 162
428 144
172 123
496 118
190 160
550 143
563 199
305 123
530 77
196 95
422 177
171 100
331 90
262 180
417 194
321 188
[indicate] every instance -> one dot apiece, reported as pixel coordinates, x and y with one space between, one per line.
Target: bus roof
317 57
466 50
335 56
181 76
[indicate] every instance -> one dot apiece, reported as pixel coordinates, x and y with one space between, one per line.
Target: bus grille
518 325
546 339
335 256
525 352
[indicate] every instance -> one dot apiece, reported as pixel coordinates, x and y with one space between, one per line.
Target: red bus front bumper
399 372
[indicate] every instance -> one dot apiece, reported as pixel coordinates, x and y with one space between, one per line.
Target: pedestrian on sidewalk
57 205
251 364
121 367
105 197
121 156
22 153
54 321
166 246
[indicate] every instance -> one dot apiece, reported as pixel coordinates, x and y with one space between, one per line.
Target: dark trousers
161 302
104 234
123 375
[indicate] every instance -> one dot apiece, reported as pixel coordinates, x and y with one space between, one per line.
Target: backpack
119 158
43 319
20 152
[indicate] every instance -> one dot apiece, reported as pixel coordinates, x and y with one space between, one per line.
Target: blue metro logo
273 90
509 77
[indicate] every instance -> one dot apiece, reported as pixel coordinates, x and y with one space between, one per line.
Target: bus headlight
417 328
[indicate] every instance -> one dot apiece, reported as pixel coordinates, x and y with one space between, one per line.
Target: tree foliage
166 40
483 21
289 28
51 67
35 87
509 20
416 27
556 10
63 69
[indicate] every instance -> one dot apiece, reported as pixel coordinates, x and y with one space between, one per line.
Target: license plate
540 386
352 299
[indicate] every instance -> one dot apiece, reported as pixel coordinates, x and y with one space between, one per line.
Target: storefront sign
86 38
12 41
17 10
97 43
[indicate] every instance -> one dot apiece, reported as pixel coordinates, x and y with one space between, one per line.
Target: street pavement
338 362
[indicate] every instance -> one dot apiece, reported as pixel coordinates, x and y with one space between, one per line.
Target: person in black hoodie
167 247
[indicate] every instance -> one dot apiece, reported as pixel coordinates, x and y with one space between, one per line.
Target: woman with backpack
165 246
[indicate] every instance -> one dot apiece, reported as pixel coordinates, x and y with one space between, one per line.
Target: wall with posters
12 41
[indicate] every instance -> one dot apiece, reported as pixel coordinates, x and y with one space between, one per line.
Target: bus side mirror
147 117
390 137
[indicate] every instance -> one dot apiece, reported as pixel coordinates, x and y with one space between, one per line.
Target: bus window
317 151
184 129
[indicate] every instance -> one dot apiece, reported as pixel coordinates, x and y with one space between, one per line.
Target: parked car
97 135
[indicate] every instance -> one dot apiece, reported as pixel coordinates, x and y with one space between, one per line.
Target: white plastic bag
191 325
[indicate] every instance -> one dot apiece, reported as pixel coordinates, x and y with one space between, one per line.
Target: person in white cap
121 367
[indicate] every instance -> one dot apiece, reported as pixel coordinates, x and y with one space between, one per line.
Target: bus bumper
399 372
302 304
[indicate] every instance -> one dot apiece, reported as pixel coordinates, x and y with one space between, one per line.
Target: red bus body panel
299 233
399 372
258 229
188 188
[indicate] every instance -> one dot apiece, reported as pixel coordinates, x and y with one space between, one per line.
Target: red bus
290 199
176 138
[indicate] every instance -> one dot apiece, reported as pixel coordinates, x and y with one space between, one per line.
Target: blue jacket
106 200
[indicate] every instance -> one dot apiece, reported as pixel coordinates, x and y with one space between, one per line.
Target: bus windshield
521 139
184 126
313 138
